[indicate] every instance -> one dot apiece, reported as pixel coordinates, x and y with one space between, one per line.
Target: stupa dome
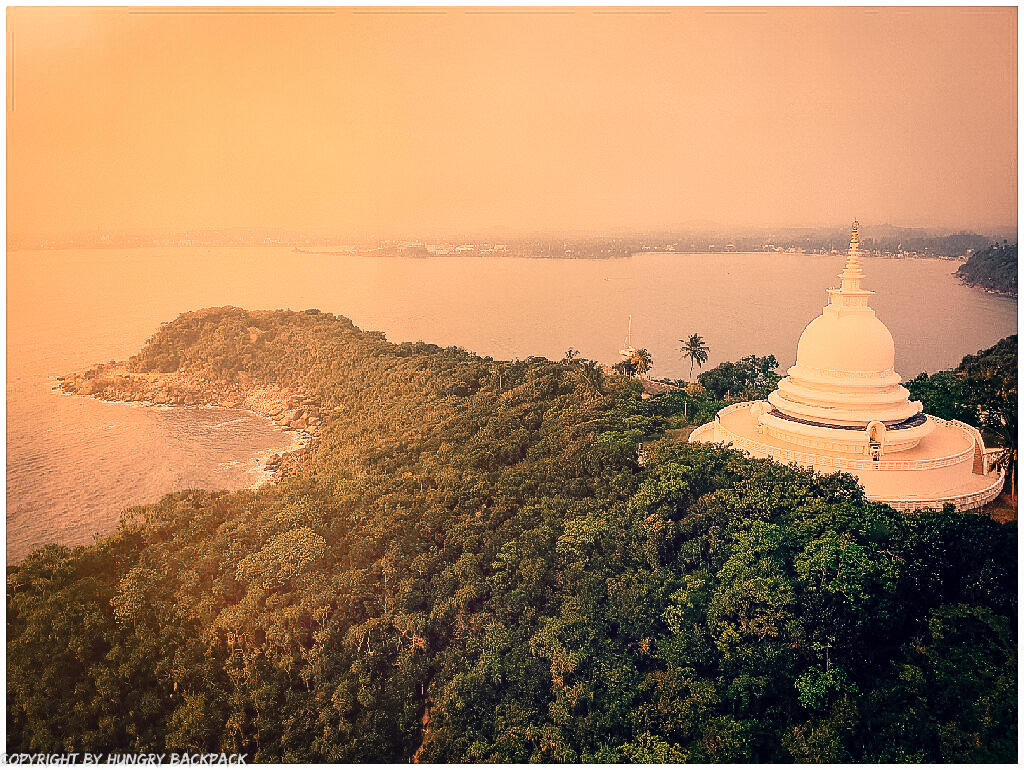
844 376
846 343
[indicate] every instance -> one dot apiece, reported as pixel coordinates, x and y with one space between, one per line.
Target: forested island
475 563
993 268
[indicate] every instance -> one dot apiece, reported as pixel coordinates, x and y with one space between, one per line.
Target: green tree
945 394
642 361
626 367
992 380
752 377
981 391
695 349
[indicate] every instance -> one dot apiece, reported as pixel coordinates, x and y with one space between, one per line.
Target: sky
397 122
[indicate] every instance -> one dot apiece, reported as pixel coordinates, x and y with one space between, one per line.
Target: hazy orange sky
358 121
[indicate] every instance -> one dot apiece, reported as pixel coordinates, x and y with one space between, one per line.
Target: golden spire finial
851 294
853 256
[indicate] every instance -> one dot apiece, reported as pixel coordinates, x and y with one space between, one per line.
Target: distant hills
885 240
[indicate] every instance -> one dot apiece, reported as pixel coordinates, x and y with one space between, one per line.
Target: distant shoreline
394 253
997 292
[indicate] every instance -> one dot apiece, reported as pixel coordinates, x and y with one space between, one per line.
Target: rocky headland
288 408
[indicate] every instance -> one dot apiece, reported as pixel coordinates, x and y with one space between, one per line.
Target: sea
74 464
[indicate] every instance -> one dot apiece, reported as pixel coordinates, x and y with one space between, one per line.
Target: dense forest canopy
750 378
474 565
981 391
993 268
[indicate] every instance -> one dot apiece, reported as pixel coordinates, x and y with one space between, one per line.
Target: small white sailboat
628 351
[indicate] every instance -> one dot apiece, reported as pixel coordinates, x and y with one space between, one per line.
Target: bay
73 464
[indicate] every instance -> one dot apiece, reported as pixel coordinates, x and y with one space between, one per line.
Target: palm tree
642 361
696 350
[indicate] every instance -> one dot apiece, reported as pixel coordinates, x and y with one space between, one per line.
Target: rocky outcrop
288 408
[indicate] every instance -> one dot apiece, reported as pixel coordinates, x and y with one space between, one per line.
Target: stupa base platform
948 466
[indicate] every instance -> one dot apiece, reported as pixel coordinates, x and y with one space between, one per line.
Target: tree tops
473 566
696 350
981 391
750 378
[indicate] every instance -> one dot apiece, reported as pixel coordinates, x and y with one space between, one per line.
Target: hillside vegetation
473 566
993 268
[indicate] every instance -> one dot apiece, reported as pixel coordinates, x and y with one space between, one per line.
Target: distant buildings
803 241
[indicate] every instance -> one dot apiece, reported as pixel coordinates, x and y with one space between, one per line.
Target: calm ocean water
73 464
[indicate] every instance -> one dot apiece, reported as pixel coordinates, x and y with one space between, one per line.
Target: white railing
960 502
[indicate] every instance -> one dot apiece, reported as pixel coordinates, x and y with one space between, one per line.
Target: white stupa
842 407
